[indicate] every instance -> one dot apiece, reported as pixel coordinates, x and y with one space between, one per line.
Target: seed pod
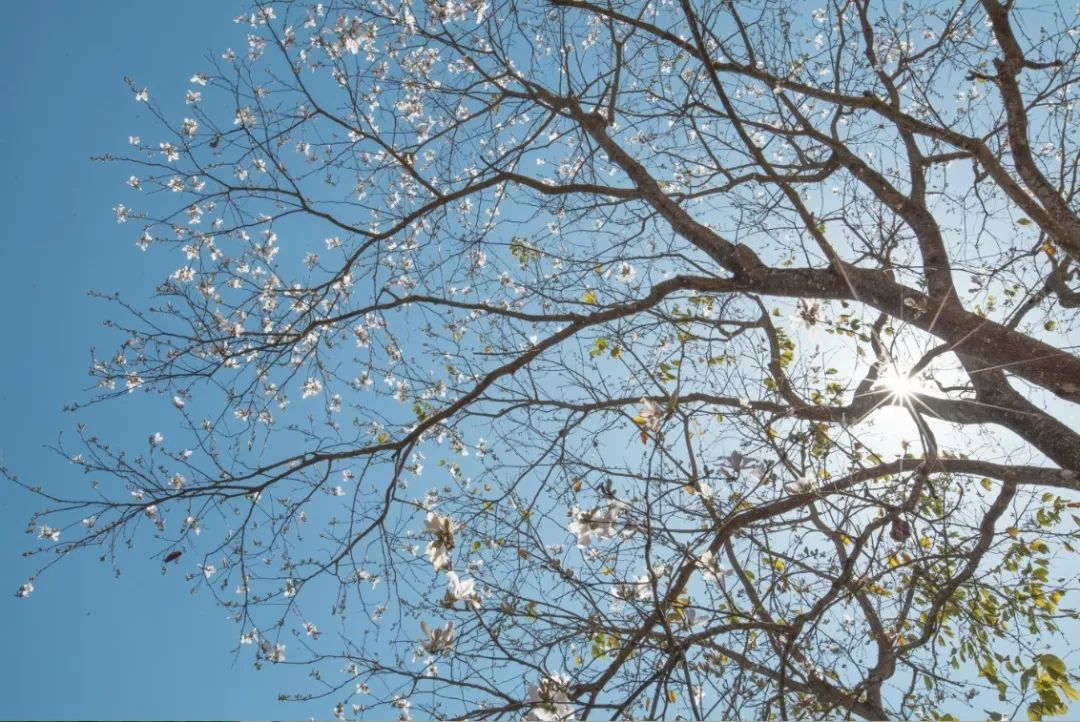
900 531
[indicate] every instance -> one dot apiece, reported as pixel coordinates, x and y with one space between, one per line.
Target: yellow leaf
671 696
1013 532
590 298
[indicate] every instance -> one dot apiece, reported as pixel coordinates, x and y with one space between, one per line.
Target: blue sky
87 645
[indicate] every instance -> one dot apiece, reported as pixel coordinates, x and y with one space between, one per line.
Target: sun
901 385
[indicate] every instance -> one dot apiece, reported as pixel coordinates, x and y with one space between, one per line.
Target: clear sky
87 645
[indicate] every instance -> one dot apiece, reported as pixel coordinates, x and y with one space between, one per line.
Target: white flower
25 590
439 557
549 700
278 654
192 523
443 529
649 416
310 387
807 314
47 532
631 591
177 481
594 523
169 151
199 78
400 703
711 569
142 96
461 589
438 639
155 439
311 630
805 484
245 117
208 570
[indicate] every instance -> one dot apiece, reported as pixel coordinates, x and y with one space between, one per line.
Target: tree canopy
580 359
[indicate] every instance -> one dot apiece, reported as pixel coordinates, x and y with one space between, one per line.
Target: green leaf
1053 664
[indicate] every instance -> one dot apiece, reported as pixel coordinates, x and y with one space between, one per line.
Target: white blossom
595 523
462 589
649 416
443 529
549 700
807 315
803 485
437 639
711 568
310 387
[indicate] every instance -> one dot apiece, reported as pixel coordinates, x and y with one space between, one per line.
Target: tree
738 341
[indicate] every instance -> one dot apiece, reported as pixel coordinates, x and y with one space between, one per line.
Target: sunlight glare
899 384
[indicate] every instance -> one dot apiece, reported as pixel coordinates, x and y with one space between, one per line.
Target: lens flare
899 384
